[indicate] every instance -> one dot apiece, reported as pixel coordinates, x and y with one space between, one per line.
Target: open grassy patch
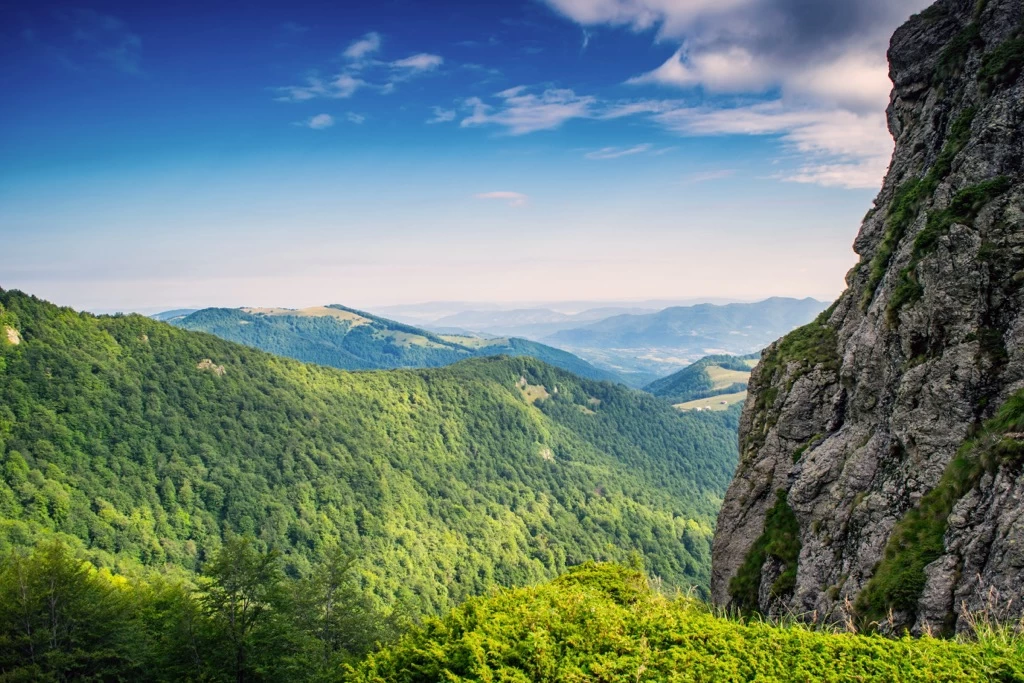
722 378
720 402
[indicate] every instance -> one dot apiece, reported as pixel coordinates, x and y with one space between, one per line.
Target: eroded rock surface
859 416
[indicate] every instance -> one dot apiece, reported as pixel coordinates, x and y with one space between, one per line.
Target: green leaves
448 481
602 623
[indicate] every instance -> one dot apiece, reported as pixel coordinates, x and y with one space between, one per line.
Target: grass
473 342
533 392
312 312
720 402
1002 66
603 623
808 347
963 209
722 378
918 539
779 540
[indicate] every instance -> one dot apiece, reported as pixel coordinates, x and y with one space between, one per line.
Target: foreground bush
603 623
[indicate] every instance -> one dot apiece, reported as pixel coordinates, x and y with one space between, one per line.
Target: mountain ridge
351 339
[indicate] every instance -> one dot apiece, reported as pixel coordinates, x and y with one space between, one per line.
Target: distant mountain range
653 345
531 323
430 314
349 339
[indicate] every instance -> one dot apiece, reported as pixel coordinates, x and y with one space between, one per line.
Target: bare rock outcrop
880 475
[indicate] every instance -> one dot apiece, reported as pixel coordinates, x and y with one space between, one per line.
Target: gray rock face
913 360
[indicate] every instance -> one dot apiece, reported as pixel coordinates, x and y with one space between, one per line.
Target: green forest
143 444
374 344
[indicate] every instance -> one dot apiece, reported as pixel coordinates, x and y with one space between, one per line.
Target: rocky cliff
882 446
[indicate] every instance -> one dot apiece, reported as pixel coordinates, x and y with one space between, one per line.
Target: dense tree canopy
143 444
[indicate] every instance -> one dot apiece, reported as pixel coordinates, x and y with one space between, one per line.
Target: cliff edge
882 446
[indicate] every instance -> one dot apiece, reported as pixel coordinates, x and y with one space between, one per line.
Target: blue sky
192 154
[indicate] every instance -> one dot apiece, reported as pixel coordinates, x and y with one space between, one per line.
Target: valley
146 445
567 464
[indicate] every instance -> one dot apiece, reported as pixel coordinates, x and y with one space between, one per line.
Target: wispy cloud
361 71
839 148
367 45
510 198
708 176
353 117
420 62
341 86
834 147
521 112
442 115
617 152
319 122
82 37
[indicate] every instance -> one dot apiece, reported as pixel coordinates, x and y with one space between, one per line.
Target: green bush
1002 66
600 623
779 540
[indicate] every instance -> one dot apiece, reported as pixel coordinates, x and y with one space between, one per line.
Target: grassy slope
602 623
113 434
718 402
710 376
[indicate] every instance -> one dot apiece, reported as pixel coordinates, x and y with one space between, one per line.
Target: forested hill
710 376
148 443
345 338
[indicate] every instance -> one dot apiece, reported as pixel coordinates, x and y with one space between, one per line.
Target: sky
187 154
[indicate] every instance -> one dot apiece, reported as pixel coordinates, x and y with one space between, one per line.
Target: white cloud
320 121
366 45
832 146
420 62
511 198
733 69
355 118
839 148
708 176
342 86
361 72
442 115
824 61
617 152
521 112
